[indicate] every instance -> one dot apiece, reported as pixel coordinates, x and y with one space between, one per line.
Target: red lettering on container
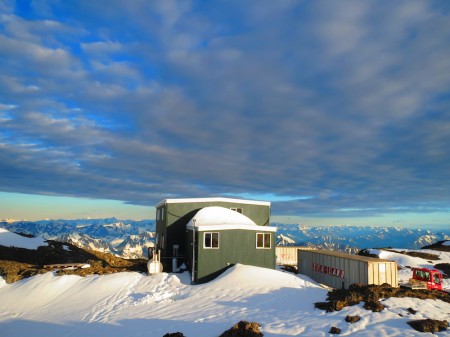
328 270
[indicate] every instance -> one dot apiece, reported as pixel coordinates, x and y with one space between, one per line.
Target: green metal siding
236 246
258 213
177 215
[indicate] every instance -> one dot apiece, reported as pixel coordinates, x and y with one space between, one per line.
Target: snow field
10 239
403 261
133 304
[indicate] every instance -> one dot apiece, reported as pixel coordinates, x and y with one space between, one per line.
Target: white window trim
204 240
270 240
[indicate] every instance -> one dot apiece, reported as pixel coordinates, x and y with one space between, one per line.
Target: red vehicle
424 278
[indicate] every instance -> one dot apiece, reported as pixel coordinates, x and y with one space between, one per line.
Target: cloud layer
336 108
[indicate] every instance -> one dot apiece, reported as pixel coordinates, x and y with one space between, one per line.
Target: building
339 270
210 234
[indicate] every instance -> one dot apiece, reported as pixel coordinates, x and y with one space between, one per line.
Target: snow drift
133 304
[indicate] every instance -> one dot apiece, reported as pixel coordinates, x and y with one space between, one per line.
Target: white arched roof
221 218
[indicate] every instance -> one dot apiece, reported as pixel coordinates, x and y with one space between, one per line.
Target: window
211 240
159 214
239 210
263 240
436 279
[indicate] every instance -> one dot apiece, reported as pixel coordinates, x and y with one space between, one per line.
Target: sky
335 111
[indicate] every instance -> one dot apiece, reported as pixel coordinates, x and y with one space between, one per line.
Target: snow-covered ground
134 304
10 239
406 262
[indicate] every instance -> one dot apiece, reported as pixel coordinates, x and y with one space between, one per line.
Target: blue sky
336 111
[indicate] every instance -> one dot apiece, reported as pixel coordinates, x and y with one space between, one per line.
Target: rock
334 330
244 329
445 267
372 295
352 319
174 334
429 325
411 311
374 306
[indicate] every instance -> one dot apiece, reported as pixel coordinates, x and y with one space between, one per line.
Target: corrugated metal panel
287 255
339 270
236 246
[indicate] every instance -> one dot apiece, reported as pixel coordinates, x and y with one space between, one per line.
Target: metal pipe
193 252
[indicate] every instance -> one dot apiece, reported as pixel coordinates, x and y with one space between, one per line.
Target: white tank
153 265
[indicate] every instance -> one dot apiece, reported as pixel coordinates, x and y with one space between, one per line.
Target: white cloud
342 101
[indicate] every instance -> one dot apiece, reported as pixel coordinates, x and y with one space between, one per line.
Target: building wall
235 246
170 226
340 270
383 272
260 214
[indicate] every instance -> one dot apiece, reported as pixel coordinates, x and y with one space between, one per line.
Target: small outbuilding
339 270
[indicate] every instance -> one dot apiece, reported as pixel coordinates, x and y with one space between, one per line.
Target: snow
446 243
221 218
133 304
10 239
230 200
406 262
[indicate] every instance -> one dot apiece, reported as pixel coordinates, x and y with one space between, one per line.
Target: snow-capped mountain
86 242
284 240
107 228
126 238
130 238
135 246
347 238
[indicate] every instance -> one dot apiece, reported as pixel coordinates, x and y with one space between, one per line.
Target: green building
211 234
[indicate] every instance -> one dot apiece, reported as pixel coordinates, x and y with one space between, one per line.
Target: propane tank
153 265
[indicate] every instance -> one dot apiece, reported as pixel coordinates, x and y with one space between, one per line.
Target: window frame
264 240
160 214
237 209
211 240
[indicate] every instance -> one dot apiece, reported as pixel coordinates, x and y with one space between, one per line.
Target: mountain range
131 238
125 238
353 238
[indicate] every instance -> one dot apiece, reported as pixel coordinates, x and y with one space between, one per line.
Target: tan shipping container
339 270
287 255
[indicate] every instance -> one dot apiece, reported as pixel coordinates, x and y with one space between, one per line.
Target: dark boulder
244 329
335 331
352 319
429 325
